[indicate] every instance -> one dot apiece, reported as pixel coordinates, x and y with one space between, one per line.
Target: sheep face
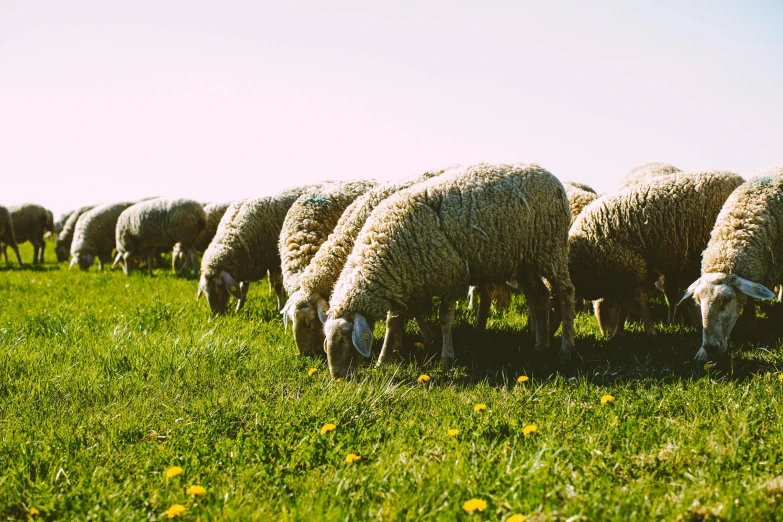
178 257
338 346
83 261
307 315
62 252
217 295
721 298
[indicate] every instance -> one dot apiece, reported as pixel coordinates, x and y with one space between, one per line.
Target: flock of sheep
351 253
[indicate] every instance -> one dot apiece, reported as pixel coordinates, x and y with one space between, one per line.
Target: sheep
309 222
93 235
579 196
471 226
31 222
245 248
51 227
214 212
7 237
60 223
306 307
740 262
643 173
158 224
65 237
622 243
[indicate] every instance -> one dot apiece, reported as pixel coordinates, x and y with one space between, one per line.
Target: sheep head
721 298
218 290
343 339
306 313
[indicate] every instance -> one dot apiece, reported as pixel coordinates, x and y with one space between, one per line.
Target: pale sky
106 100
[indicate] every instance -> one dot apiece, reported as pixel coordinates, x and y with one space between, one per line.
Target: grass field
106 382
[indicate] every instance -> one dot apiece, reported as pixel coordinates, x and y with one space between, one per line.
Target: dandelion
196 490
780 377
339 379
419 345
474 504
707 366
516 518
530 428
453 432
522 379
479 407
175 510
606 399
33 512
352 457
326 428
311 371
506 447
173 471
423 378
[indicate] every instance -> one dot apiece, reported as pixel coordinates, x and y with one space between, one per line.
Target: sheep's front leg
392 342
18 255
447 309
482 313
649 325
36 252
426 334
43 249
150 259
278 283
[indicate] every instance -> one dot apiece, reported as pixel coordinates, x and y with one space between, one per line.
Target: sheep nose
713 350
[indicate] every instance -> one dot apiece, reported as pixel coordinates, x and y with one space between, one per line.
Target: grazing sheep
93 235
622 243
741 261
65 237
471 226
7 237
245 248
31 222
60 223
306 307
157 225
309 222
646 172
214 213
579 196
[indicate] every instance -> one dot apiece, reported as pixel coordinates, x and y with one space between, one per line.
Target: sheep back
65 237
579 196
30 222
94 230
158 224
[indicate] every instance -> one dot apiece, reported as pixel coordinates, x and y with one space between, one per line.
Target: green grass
107 381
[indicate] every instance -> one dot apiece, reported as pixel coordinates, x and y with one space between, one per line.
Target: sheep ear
752 289
362 335
322 307
689 292
73 262
284 313
116 261
231 285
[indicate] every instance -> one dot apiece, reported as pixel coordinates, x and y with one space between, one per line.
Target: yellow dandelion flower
606 399
196 490
522 379
423 378
780 377
516 518
312 371
339 379
506 447
33 511
453 432
352 457
530 428
326 428
707 366
479 407
175 510
474 504
173 471
419 345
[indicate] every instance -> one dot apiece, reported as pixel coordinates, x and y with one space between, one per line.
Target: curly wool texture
158 224
214 213
579 196
625 240
245 244
93 234
322 273
471 226
308 224
747 239
60 223
65 238
645 173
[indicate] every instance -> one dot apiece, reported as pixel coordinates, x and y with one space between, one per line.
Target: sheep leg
606 312
482 312
672 295
5 254
649 326
426 333
36 249
392 342
244 286
537 297
565 295
16 252
150 260
447 308
41 252
278 283
194 263
619 325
